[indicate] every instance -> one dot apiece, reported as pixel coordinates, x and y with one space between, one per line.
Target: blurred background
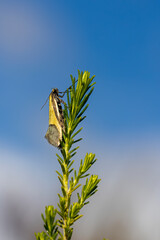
41 44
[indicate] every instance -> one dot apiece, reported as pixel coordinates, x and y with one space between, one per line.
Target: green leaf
76 187
77 140
71 161
77 132
60 175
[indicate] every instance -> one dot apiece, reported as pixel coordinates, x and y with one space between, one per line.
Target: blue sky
41 44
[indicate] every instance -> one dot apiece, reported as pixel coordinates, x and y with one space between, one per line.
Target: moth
56 118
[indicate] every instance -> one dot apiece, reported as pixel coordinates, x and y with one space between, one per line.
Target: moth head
55 90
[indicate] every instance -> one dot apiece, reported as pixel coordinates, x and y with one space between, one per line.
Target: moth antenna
44 103
68 88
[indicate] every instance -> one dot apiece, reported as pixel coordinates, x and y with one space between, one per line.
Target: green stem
65 180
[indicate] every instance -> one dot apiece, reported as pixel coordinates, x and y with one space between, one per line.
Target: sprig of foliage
68 213
50 225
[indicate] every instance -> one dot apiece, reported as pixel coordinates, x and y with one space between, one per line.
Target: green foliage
50 225
68 213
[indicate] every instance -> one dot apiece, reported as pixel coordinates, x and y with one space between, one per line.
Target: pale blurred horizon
126 205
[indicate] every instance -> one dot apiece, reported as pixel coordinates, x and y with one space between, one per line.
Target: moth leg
61 100
61 96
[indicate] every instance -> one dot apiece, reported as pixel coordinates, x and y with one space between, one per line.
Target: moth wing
57 108
53 136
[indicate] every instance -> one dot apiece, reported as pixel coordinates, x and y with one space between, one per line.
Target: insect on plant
56 117
62 133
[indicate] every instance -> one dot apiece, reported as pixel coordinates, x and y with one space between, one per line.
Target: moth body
56 119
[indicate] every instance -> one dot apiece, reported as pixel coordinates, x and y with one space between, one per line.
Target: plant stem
66 207
65 181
